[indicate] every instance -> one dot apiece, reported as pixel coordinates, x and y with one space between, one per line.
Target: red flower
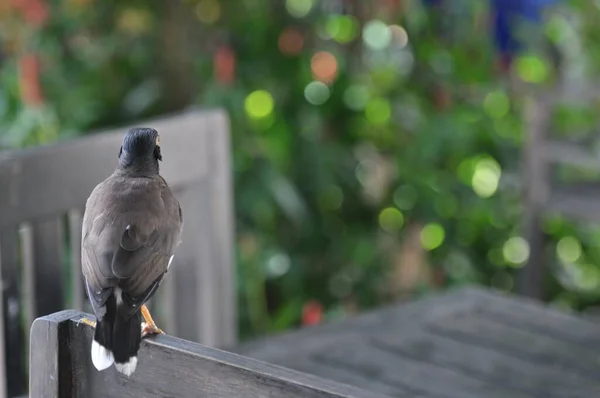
312 313
224 65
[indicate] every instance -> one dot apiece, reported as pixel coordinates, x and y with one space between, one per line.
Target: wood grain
168 367
466 343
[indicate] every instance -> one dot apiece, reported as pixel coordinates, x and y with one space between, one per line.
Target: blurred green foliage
376 144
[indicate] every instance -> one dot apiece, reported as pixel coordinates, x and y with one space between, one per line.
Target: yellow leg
149 327
88 322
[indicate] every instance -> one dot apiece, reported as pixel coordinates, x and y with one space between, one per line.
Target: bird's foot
88 322
150 329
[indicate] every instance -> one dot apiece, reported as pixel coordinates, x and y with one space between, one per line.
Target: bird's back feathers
131 227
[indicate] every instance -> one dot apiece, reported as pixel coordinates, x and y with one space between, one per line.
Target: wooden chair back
43 192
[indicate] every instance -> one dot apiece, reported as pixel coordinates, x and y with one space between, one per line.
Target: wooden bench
467 343
42 195
169 367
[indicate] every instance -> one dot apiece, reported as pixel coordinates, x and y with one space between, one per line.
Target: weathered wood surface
43 191
469 343
168 367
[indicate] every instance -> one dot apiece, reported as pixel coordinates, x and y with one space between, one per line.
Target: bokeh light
516 250
324 66
378 111
377 35
299 8
432 236
342 28
486 177
208 11
568 249
391 219
399 35
290 41
496 104
316 93
356 97
278 264
259 104
532 69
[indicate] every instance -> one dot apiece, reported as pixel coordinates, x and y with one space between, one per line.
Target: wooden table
469 343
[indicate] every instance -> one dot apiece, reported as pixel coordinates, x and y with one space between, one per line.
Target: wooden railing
168 367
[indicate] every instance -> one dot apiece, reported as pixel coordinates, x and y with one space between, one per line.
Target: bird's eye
157 140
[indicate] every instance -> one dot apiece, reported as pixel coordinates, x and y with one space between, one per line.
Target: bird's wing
129 246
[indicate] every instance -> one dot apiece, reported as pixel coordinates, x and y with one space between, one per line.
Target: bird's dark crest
140 143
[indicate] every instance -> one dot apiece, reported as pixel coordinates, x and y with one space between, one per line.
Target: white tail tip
101 357
128 367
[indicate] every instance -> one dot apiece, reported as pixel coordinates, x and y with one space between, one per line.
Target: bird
131 226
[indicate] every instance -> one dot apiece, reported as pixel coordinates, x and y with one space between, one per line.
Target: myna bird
131 227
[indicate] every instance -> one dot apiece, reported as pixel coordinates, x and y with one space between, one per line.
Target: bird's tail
126 342
117 340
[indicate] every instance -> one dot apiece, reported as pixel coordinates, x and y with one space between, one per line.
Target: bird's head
141 148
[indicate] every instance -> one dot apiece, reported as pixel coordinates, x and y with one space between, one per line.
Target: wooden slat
537 191
56 170
76 280
556 151
576 201
222 230
464 343
3 374
28 292
61 366
49 253
14 342
451 349
412 374
187 269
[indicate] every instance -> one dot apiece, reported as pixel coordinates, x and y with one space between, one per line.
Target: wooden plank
167 367
76 277
28 292
463 343
350 376
576 201
411 374
537 317
222 229
3 373
49 253
530 278
547 361
555 151
14 342
191 270
56 169
49 356
475 356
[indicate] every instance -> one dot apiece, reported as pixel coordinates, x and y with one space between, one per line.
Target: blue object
506 13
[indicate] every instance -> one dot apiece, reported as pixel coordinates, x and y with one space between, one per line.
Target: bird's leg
149 327
88 322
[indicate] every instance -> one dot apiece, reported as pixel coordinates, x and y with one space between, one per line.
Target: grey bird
131 227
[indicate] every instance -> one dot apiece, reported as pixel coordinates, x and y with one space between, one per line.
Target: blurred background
377 144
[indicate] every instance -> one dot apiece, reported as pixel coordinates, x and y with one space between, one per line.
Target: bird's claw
149 330
88 322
